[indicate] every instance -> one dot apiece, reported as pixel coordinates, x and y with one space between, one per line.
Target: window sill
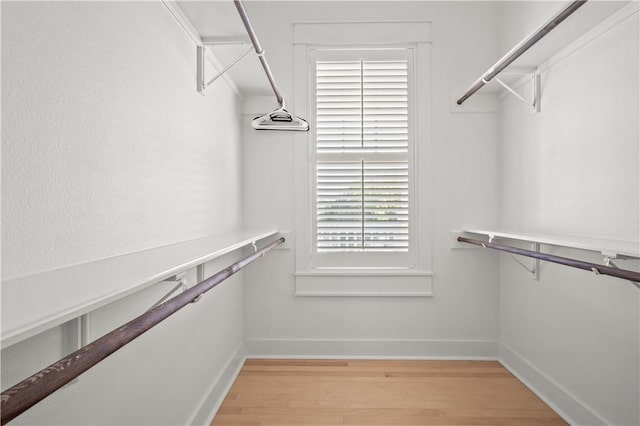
363 283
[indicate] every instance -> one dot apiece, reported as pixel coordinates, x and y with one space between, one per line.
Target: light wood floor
336 392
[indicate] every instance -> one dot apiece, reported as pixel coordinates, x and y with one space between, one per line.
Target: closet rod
593 267
521 47
34 389
259 50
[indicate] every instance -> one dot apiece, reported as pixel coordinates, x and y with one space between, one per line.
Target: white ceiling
273 23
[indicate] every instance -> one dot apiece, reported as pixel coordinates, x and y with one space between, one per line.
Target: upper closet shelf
609 248
35 303
525 58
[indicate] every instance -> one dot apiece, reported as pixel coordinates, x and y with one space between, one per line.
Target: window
362 147
361 205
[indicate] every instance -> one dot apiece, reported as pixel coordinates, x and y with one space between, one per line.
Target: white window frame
371 275
362 259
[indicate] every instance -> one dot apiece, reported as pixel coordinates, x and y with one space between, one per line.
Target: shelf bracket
534 269
202 82
80 335
181 284
608 262
535 262
535 77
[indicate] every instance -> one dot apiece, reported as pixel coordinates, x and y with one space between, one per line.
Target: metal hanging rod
259 50
574 263
522 47
34 389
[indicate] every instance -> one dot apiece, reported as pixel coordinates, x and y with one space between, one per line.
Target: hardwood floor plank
415 374
285 419
293 362
315 373
422 420
340 411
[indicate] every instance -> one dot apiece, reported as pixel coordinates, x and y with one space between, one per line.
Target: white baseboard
218 390
555 396
401 349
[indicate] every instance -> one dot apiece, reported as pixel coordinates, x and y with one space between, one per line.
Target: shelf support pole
574 263
522 47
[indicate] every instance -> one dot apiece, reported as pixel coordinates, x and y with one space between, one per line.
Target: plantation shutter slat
362 107
362 205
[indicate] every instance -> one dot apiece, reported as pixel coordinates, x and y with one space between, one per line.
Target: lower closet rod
594 267
29 392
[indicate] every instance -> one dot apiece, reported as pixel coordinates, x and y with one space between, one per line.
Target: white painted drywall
573 169
105 140
107 148
461 318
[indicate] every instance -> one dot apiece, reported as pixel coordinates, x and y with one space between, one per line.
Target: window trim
415 278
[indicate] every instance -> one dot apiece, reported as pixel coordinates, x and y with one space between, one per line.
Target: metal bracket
181 284
536 262
85 330
534 269
77 334
202 83
609 263
199 278
535 76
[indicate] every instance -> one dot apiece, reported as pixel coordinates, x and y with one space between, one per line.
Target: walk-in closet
320 212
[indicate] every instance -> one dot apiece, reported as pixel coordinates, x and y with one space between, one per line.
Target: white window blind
362 156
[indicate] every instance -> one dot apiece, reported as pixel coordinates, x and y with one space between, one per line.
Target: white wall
573 169
461 318
107 148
